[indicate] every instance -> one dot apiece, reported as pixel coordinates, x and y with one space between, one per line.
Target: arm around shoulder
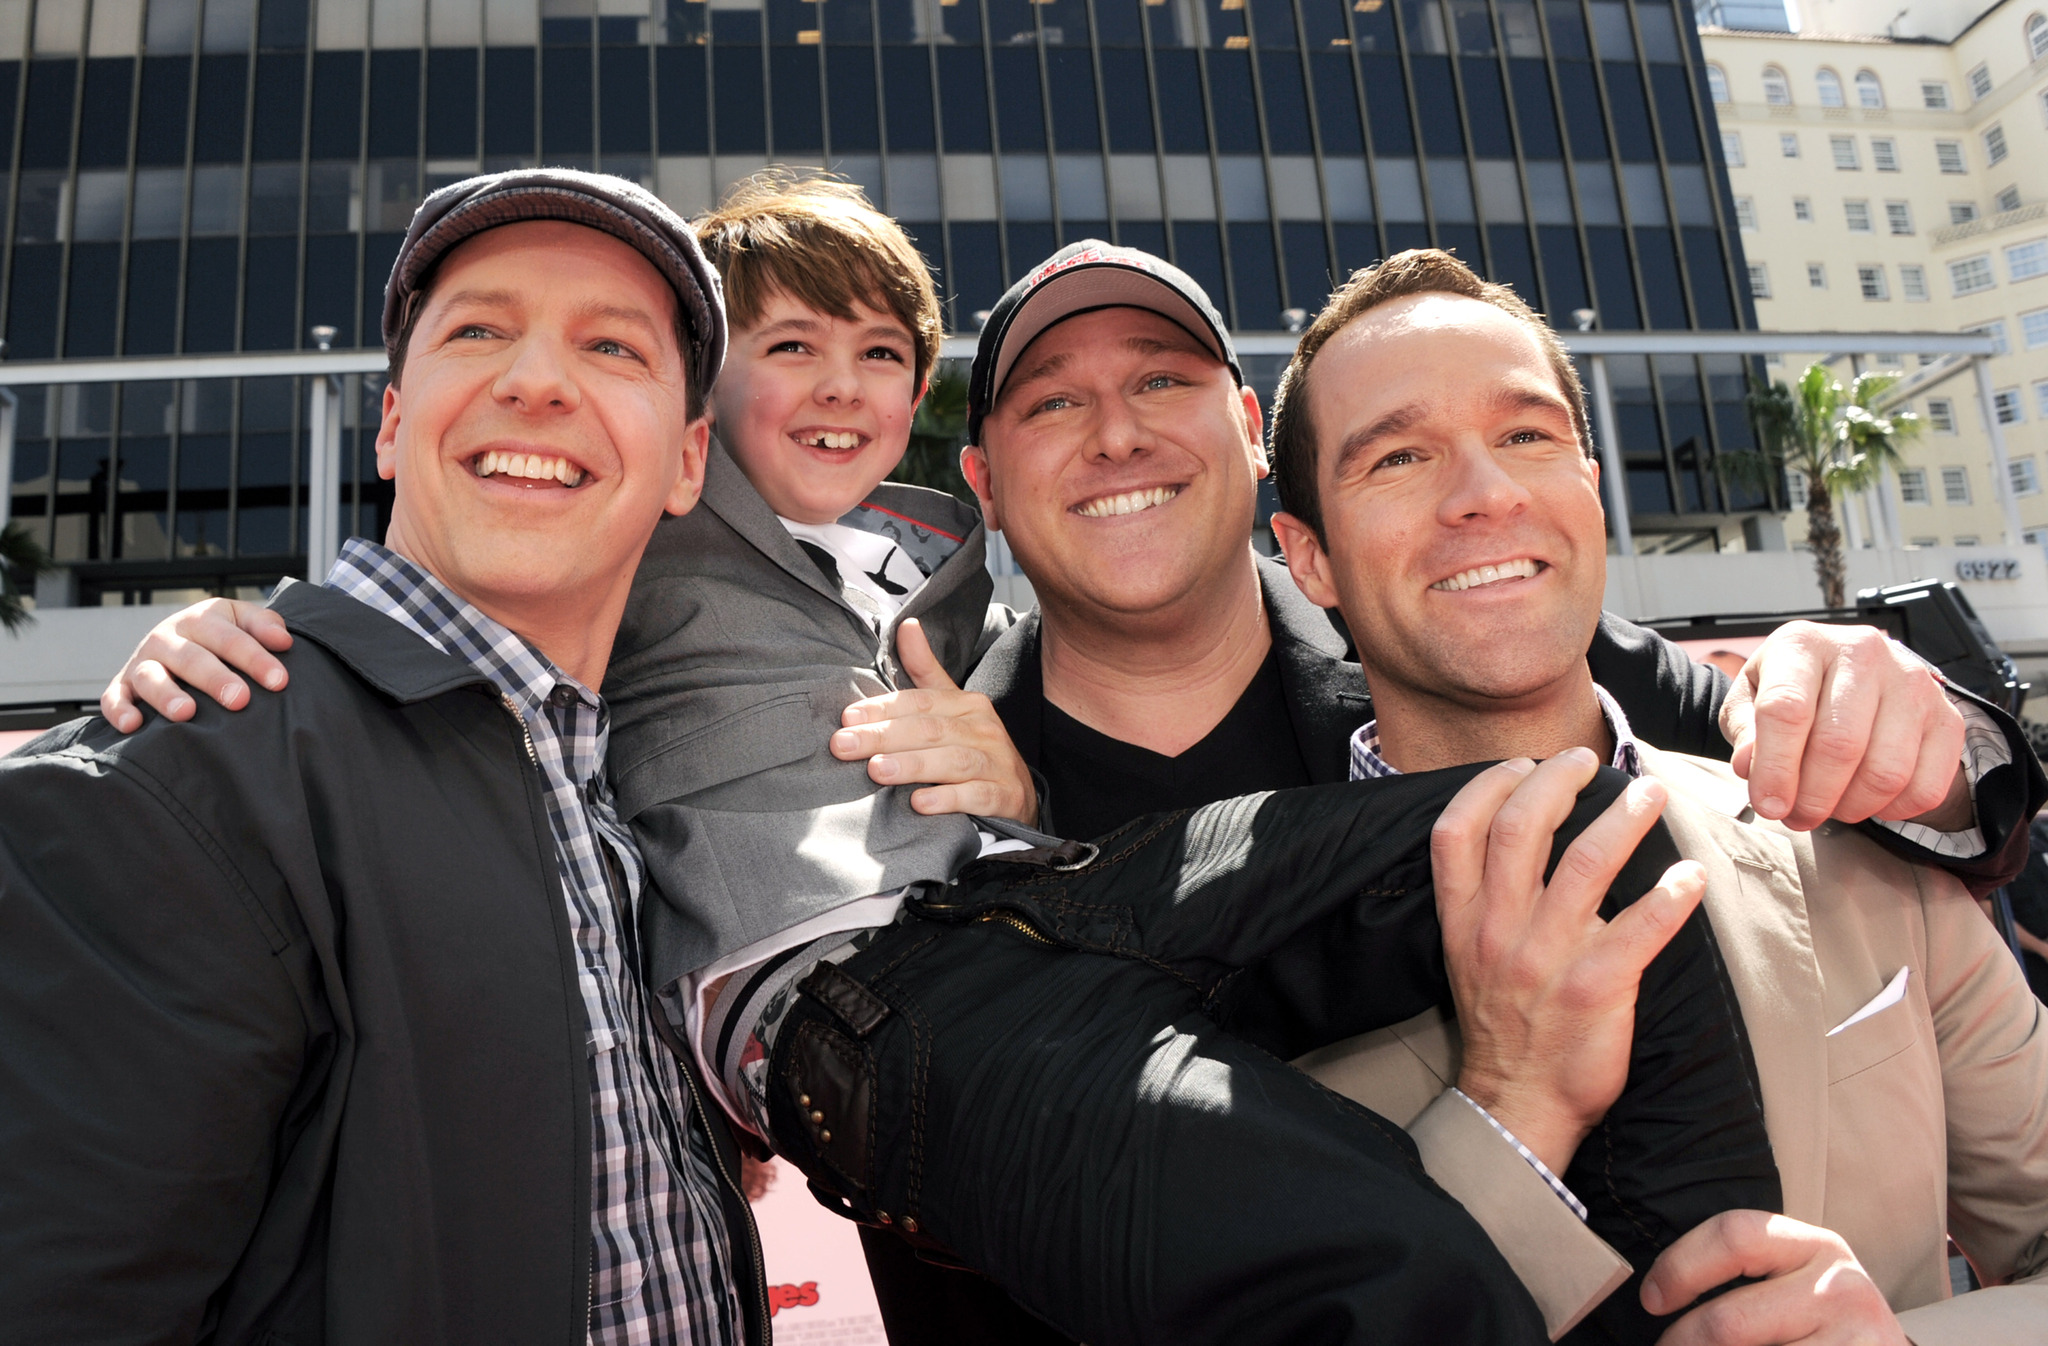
150 1039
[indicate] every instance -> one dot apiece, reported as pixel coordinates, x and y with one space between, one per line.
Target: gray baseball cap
614 205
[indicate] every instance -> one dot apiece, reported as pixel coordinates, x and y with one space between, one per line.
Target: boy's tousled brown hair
1417 271
819 240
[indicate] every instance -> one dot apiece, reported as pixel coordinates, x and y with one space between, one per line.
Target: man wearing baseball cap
321 1022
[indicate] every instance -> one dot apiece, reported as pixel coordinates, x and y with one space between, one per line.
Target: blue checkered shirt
661 1262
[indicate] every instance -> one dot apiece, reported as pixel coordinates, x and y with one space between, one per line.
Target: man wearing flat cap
319 1022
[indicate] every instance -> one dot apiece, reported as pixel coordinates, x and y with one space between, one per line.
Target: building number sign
1999 568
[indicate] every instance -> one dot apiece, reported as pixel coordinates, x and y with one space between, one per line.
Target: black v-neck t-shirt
1097 783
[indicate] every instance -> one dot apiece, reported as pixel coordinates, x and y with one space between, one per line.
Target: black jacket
1671 702
291 1047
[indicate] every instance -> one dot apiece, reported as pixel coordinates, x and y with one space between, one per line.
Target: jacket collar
377 649
1325 690
1756 904
1010 676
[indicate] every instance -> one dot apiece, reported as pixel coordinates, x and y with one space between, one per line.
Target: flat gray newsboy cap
621 208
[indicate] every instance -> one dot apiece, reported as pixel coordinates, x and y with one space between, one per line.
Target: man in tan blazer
1439 494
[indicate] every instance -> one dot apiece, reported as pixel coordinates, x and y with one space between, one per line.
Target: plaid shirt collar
1367 764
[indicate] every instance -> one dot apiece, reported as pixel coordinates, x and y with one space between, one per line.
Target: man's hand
1545 989
951 741
1812 1288
189 646
1843 722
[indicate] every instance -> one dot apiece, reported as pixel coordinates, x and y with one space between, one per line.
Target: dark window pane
735 28
963 101
1463 240
565 102
32 301
202 496
451 102
624 90
1709 279
394 104
1180 102
282 25
618 30
280 106
508 100
1322 24
1567 28
95 285
850 93
1513 262
103 121
679 82
1126 101
1533 109
848 21
270 321
1070 77
32 470
1011 21
1308 265
1273 23
1336 103
1631 113
337 130
1230 99
787 18
907 82
1030 244
1145 235
379 252
142 533
81 499
210 295
976 279
1198 250
331 286
46 120
798 102
274 198
1649 490
565 32
1357 246
1675 114
896 21
1614 286
1074 231
1286 103
1486 108
152 324
10 77
1019 113
1118 23
1563 272
1588 133
1386 106
217 119
742 125
264 505
1257 278
1657 255
1436 104
1402 237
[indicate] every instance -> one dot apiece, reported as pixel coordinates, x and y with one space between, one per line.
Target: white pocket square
1892 994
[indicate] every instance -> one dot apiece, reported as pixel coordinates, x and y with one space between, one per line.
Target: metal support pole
8 409
2001 468
1608 440
323 469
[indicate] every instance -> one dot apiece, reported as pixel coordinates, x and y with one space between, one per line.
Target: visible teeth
529 466
832 439
1472 579
1130 502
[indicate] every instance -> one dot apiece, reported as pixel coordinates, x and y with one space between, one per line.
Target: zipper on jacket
525 729
1015 922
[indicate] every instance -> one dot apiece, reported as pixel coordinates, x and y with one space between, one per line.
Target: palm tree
21 560
1836 439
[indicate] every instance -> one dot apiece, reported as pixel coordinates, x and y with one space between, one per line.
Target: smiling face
1463 534
816 410
542 424
1121 460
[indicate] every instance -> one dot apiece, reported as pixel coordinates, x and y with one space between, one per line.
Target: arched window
1830 85
1777 89
2037 37
1869 93
1717 84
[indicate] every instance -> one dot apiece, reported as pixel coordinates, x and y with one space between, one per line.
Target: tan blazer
1924 1120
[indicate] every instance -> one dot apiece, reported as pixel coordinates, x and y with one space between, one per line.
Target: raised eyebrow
1045 368
479 299
1529 399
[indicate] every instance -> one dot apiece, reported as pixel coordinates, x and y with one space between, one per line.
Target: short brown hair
1417 271
693 396
818 239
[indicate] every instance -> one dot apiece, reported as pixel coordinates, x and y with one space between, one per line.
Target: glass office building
192 176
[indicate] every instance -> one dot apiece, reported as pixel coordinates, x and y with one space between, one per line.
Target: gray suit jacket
733 663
